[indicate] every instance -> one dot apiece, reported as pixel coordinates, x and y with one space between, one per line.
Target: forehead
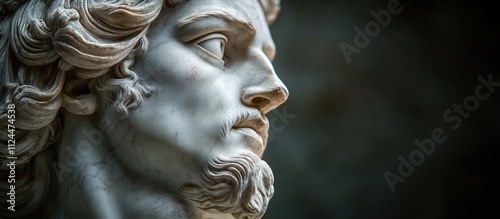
246 9
247 13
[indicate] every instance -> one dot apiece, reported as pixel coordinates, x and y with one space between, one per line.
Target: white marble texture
141 110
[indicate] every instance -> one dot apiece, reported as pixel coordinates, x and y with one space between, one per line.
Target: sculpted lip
255 127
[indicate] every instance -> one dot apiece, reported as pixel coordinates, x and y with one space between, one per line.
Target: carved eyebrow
229 18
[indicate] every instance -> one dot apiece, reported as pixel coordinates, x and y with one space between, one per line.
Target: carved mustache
247 119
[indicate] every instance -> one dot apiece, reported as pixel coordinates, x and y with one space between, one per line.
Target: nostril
260 101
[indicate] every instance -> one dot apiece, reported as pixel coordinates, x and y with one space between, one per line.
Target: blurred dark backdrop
353 120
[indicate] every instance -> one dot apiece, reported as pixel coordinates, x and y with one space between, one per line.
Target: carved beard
240 185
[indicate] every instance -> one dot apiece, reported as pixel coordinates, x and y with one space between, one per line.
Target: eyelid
207 37
221 22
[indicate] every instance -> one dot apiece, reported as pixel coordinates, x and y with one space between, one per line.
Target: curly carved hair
51 47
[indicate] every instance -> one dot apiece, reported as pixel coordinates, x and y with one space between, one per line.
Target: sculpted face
210 62
139 108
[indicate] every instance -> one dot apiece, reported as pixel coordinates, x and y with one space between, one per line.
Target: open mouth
254 127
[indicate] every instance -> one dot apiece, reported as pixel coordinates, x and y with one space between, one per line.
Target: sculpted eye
214 45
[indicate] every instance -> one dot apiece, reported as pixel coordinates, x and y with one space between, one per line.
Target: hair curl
49 45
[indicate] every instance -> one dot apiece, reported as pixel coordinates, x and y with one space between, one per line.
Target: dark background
354 120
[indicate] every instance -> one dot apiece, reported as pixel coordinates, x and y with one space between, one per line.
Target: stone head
170 93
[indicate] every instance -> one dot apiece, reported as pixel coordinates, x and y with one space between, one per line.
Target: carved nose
265 98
